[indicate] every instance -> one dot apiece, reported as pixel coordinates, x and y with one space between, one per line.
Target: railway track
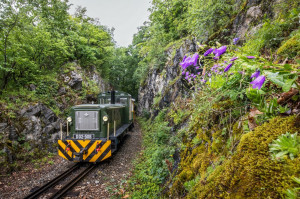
69 185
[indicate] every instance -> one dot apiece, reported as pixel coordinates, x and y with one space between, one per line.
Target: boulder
75 81
40 123
32 87
62 91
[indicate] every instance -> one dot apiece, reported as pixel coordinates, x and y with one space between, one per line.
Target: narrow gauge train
95 130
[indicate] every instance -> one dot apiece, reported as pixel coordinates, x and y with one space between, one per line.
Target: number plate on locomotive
83 136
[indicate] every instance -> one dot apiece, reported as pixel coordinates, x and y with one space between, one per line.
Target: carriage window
123 101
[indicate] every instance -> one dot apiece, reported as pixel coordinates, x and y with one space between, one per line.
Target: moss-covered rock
250 172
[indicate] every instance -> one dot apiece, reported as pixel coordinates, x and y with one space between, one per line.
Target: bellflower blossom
258 82
234 58
255 74
195 59
220 51
208 52
250 57
235 40
186 62
228 67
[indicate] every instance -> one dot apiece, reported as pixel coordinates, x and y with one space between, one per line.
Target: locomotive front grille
86 120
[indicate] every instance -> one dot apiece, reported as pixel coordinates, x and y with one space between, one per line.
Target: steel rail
51 183
72 182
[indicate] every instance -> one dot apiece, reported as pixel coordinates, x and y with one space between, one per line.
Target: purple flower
215 58
183 73
225 62
250 57
186 77
255 74
187 61
197 67
198 73
187 73
235 40
208 51
215 66
233 59
228 67
209 75
195 59
242 72
218 52
258 82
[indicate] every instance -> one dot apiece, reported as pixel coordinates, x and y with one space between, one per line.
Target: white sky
124 15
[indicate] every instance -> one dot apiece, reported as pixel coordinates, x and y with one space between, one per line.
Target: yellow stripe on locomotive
84 150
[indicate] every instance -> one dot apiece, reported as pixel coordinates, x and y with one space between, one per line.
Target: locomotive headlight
105 118
69 119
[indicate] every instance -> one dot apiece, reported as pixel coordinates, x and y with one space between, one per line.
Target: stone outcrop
75 81
40 124
165 84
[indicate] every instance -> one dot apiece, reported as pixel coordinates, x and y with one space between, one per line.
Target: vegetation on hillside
236 135
39 40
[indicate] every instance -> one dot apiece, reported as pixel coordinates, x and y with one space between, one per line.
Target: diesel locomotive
95 130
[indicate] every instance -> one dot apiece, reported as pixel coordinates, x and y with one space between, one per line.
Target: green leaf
288 84
275 78
287 67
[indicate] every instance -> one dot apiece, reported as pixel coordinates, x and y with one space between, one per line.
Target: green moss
250 172
291 47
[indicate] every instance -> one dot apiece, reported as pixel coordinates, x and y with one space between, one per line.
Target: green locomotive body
95 130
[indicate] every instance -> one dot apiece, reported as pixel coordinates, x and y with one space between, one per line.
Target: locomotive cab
95 130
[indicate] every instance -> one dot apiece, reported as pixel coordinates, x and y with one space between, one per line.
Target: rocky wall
165 84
